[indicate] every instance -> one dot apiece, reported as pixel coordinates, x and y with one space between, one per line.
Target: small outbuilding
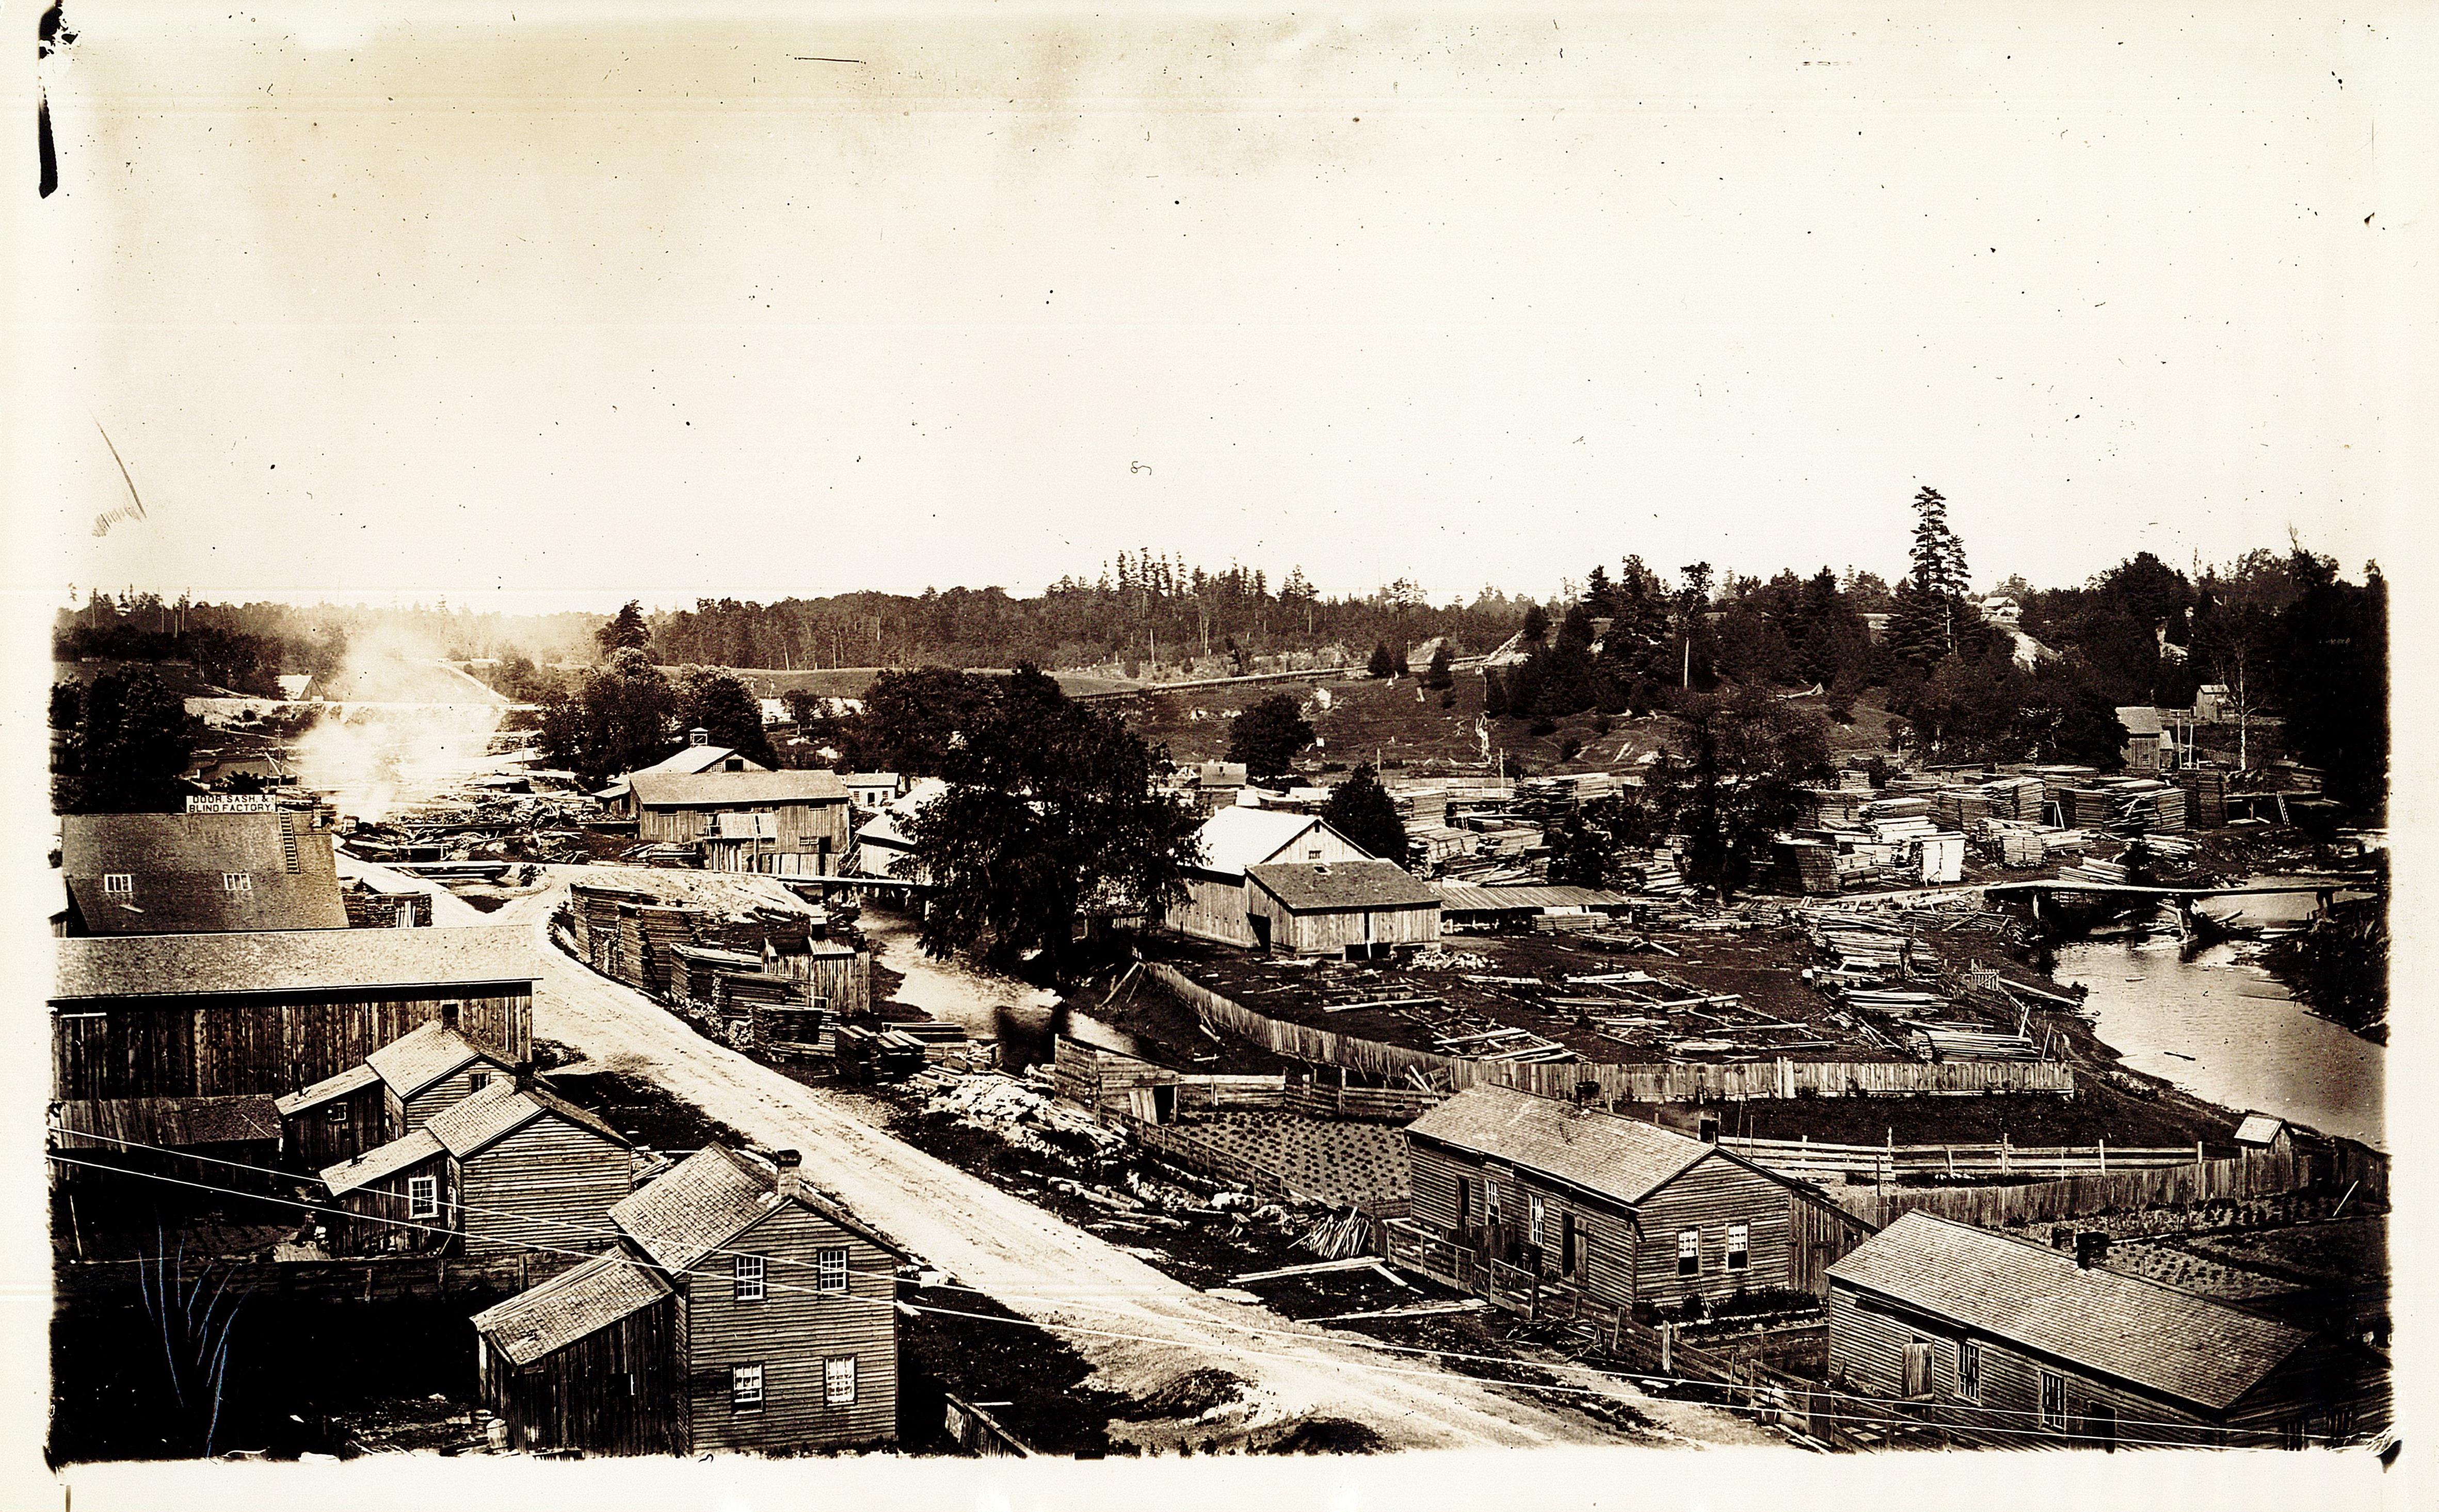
392 1199
429 1071
1355 910
336 1119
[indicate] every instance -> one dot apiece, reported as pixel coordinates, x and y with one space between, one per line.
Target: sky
590 304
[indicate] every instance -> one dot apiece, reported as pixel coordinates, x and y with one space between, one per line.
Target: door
1261 923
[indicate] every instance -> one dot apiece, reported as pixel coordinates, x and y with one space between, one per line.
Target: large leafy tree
1050 811
717 702
2332 680
129 736
1585 845
1361 810
1269 736
1746 757
617 719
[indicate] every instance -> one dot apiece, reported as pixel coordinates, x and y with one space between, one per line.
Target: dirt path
1037 1264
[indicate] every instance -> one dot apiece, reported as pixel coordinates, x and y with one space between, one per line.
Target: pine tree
1361 810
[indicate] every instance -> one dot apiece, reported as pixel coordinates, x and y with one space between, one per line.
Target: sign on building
232 802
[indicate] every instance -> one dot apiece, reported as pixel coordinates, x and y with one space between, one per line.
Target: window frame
1738 1255
237 882
1689 1252
1913 1350
119 884
831 1370
831 1270
2053 1383
1969 1370
422 1197
477 1079
338 1116
738 1401
748 1280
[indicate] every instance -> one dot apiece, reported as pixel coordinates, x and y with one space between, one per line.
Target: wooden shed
1355 910
590 1360
1214 904
433 1068
527 1167
785 1308
1519 1197
837 976
394 1199
273 1011
802 827
336 1119
2002 1342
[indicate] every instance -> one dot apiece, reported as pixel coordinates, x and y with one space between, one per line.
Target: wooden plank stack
2205 792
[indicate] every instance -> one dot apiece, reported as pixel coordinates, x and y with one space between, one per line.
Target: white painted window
838 1381
2054 1401
1689 1252
1739 1246
745 1387
237 882
422 1197
1969 1370
829 1270
746 1278
119 884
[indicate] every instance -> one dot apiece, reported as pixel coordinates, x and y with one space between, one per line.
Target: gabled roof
1620 1158
2117 1325
424 1056
290 961
1234 839
1318 887
178 861
2259 1129
570 1306
330 1089
872 779
673 789
383 1161
479 1122
712 1197
2140 718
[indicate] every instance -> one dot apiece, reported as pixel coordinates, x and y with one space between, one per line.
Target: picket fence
1888 1162
1615 1083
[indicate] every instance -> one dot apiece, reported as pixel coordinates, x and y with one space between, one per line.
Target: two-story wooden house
789 823
769 1324
1522 1198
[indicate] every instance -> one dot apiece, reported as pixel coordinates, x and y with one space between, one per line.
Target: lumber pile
2205 792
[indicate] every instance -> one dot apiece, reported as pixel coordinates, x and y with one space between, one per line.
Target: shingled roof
1321 886
426 1055
355 1078
484 1119
710 1199
2131 1330
720 789
570 1306
290 961
1620 1158
382 1161
177 864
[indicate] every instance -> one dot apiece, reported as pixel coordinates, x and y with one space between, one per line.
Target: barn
2002 1342
1232 839
792 823
1526 1199
272 1012
1354 910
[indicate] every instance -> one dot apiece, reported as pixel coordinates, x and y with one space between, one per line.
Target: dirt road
1039 1265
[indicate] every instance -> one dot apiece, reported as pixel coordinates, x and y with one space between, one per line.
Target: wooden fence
1386 1105
383 1279
2077 1195
978 1430
1638 1083
1890 1162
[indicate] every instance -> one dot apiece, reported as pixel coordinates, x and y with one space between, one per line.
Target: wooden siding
275 1043
377 1217
790 1332
1330 931
1605 1233
1212 909
805 827
550 1184
1714 1194
414 1112
612 1392
312 1141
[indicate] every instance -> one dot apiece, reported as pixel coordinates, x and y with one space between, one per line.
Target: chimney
1707 1128
698 736
2090 1248
525 1076
792 1173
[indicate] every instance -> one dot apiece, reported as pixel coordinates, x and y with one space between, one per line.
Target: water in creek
1024 1020
2225 1029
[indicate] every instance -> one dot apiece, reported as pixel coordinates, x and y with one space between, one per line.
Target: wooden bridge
2323 888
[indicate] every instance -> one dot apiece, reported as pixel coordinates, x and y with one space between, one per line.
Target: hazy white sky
588 304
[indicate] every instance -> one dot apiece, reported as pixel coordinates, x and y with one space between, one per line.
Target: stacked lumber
2205 792
1852 780
1949 1041
1807 866
2087 808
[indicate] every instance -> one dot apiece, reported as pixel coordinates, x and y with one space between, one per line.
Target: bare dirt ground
1143 1331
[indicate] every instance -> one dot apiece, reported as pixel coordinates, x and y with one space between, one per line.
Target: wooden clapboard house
1533 1202
2000 1342
394 1093
741 1313
795 822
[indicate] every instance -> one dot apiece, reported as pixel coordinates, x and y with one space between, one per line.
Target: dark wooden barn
272 1012
2001 1341
589 1359
1531 1201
